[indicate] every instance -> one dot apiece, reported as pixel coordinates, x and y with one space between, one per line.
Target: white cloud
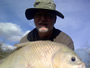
14 38
10 31
6 47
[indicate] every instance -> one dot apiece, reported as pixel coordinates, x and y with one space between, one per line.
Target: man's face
44 20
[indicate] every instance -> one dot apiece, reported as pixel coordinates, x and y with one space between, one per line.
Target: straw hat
42 5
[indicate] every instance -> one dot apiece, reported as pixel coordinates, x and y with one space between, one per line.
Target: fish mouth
82 65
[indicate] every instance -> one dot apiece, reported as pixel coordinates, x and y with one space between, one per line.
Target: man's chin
43 29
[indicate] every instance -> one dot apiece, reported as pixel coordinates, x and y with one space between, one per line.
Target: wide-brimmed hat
42 5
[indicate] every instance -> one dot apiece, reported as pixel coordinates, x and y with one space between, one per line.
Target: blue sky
76 22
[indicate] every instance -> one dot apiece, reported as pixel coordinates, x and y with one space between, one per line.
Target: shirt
57 36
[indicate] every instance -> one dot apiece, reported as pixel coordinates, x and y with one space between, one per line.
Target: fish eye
73 59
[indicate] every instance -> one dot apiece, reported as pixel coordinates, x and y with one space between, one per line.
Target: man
45 15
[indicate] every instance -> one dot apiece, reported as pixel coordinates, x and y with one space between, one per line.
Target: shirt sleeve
24 39
64 39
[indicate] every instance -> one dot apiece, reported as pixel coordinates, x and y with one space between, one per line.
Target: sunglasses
46 15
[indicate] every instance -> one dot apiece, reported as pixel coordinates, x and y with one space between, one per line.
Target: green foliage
3 54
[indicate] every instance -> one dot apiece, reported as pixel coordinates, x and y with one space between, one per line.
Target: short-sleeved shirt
57 36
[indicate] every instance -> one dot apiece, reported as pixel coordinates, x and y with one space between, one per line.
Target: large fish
42 54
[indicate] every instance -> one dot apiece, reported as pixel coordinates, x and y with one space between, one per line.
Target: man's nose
43 18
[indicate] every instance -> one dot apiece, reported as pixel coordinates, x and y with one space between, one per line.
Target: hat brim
29 13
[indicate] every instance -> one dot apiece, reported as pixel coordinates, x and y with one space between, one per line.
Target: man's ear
55 19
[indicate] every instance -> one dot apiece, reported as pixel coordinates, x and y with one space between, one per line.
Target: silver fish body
42 54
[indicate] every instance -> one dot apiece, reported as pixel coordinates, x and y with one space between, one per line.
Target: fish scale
42 54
